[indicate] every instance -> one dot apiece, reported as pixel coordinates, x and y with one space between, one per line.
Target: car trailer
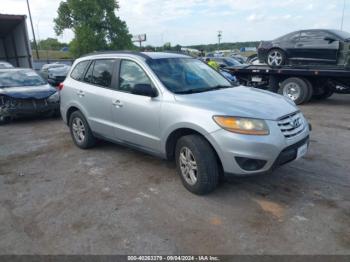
298 83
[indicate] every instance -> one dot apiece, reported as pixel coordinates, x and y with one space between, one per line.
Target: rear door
96 95
136 117
313 47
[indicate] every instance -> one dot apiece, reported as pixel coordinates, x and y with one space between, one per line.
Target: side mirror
144 90
329 39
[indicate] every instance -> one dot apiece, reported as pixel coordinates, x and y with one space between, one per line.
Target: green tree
50 44
95 25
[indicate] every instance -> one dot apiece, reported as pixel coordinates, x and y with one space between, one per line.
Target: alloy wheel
275 58
292 90
78 130
188 166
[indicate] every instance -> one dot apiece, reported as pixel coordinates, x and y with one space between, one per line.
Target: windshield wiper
218 87
200 90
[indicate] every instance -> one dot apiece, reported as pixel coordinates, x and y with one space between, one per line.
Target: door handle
300 45
117 103
80 93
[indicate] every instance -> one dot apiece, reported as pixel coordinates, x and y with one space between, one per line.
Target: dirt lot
58 199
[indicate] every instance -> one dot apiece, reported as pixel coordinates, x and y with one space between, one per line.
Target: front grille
291 125
32 104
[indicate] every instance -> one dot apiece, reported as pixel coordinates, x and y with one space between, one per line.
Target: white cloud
197 21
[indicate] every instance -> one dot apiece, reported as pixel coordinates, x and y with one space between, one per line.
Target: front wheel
197 164
276 58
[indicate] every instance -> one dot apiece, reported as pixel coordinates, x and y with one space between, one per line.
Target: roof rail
117 52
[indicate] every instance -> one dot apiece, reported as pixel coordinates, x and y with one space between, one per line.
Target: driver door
313 46
136 117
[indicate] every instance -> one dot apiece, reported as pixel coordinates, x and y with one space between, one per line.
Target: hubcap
292 90
275 58
188 166
78 130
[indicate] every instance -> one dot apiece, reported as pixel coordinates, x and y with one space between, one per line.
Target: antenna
342 18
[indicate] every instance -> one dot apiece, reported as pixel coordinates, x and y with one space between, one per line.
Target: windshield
187 75
18 78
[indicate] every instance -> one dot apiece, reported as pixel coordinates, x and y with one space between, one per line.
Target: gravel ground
58 199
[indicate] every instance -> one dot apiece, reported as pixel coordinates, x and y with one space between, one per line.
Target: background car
226 61
57 75
23 92
5 65
44 71
316 46
239 58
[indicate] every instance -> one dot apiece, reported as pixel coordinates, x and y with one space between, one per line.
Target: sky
190 22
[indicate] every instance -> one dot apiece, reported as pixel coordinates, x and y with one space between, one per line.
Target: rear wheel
295 88
197 164
80 131
327 91
310 90
276 58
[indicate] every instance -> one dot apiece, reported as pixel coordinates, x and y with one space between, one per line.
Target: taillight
60 86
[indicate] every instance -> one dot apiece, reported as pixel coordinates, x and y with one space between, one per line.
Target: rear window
19 78
101 72
79 70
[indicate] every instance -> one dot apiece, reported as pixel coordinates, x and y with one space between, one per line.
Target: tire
276 58
327 92
86 139
4 120
207 169
295 88
310 90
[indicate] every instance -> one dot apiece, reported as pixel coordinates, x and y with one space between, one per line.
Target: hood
29 92
241 101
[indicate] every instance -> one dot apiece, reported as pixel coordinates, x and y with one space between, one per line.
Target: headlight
54 98
240 125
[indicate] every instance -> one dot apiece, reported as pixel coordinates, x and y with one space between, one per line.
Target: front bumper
23 107
274 149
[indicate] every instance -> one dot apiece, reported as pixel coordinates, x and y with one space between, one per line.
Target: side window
102 72
88 75
312 36
294 37
78 70
131 74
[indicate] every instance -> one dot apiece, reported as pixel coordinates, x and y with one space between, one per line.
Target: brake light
60 86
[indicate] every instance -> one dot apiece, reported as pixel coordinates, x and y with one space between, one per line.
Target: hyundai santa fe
177 107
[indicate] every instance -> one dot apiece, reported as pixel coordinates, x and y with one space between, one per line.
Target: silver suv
175 106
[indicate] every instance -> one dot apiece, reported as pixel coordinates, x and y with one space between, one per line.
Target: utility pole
342 18
31 23
219 38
